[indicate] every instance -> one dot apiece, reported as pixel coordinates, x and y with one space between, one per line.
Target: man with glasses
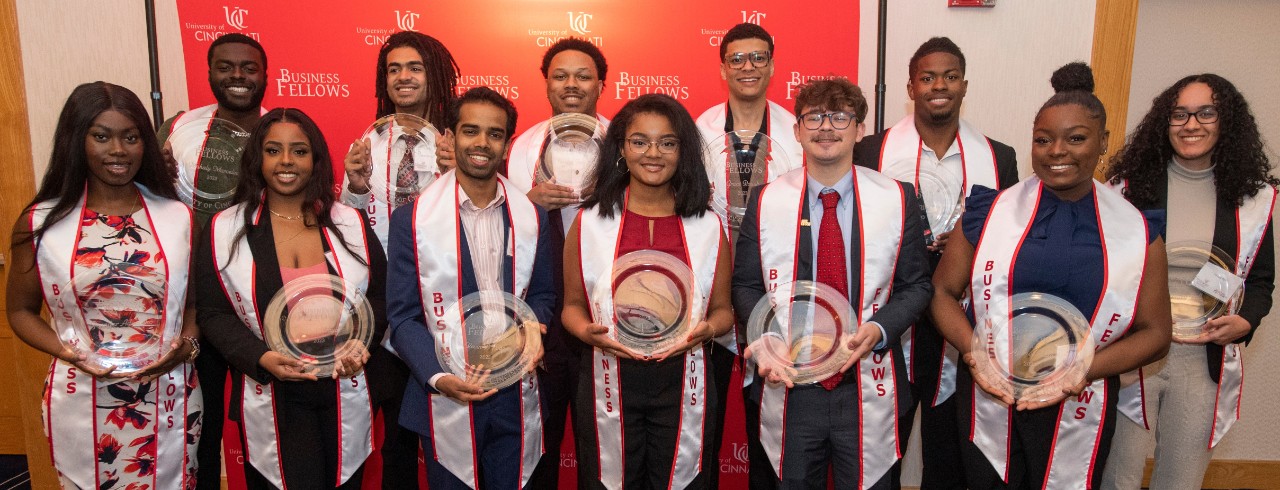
933 140
860 233
575 73
746 65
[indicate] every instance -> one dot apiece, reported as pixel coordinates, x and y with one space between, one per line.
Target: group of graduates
478 219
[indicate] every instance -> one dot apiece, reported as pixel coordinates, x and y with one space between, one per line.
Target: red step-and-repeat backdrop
322 59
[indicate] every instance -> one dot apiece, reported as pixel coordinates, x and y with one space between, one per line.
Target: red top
667 235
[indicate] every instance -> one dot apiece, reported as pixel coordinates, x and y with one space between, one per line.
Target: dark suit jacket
867 154
409 332
1262 276
911 291
220 325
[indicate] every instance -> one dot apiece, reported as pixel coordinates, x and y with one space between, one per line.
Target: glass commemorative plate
652 297
120 321
1201 278
207 151
796 331
319 319
743 157
941 196
491 337
1044 348
572 151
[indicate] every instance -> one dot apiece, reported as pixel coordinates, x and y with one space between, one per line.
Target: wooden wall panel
1115 28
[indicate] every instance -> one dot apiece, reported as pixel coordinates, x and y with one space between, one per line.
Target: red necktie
832 270
406 175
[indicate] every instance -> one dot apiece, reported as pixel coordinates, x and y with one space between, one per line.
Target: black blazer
1258 286
217 318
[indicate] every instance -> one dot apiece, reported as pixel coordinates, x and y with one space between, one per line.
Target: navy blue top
1062 254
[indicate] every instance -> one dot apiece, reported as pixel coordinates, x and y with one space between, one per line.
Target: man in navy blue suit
469 231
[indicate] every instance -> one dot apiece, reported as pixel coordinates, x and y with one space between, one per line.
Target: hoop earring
622 165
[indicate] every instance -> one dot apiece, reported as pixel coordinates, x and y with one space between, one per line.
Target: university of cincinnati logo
235 16
578 22
740 452
405 21
755 17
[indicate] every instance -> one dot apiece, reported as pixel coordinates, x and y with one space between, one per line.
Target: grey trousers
1178 390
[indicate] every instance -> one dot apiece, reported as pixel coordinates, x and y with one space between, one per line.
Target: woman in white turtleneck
1197 154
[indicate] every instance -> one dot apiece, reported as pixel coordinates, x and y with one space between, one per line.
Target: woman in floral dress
98 244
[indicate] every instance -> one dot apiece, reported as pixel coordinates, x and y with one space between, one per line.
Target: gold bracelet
195 347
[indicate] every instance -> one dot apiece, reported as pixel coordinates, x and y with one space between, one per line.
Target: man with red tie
860 233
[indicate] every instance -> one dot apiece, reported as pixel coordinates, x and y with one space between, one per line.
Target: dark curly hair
940 44
745 30
1241 167
690 186
576 44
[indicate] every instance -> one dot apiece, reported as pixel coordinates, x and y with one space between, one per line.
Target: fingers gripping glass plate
572 151
217 143
1200 275
652 298
941 194
796 331
319 319
491 338
743 157
1045 348
390 138
121 317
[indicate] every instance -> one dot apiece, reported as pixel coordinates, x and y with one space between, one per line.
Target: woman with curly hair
1198 142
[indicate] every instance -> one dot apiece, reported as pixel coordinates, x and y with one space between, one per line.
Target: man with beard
469 231
575 73
238 79
746 65
935 139
416 75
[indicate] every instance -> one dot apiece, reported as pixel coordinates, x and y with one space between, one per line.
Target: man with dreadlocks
415 75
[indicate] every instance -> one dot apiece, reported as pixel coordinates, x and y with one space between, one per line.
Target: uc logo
235 16
578 22
406 20
755 17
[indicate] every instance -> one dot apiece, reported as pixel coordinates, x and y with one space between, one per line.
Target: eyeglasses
758 59
665 145
1205 115
839 119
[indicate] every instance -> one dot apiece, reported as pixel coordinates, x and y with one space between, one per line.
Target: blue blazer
406 316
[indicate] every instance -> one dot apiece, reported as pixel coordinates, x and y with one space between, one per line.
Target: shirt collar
844 186
467 204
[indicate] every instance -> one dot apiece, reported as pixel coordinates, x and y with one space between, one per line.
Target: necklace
281 216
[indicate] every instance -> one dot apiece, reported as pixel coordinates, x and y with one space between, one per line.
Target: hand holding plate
1226 329
467 390
860 343
285 368
597 335
700 334
178 353
1001 396
354 356
552 196
768 366
359 167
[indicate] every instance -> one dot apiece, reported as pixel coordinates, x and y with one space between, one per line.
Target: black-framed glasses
839 119
758 59
664 145
1205 115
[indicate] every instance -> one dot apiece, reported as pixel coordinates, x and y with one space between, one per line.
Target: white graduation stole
780 130
437 242
69 393
1123 233
526 154
880 217
600 236
1252 220
355 437
899 153
384 177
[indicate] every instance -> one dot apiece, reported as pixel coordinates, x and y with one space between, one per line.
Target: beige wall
69 42
1010 51
1237 40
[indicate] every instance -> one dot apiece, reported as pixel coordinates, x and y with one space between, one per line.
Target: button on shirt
486 240
844 208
